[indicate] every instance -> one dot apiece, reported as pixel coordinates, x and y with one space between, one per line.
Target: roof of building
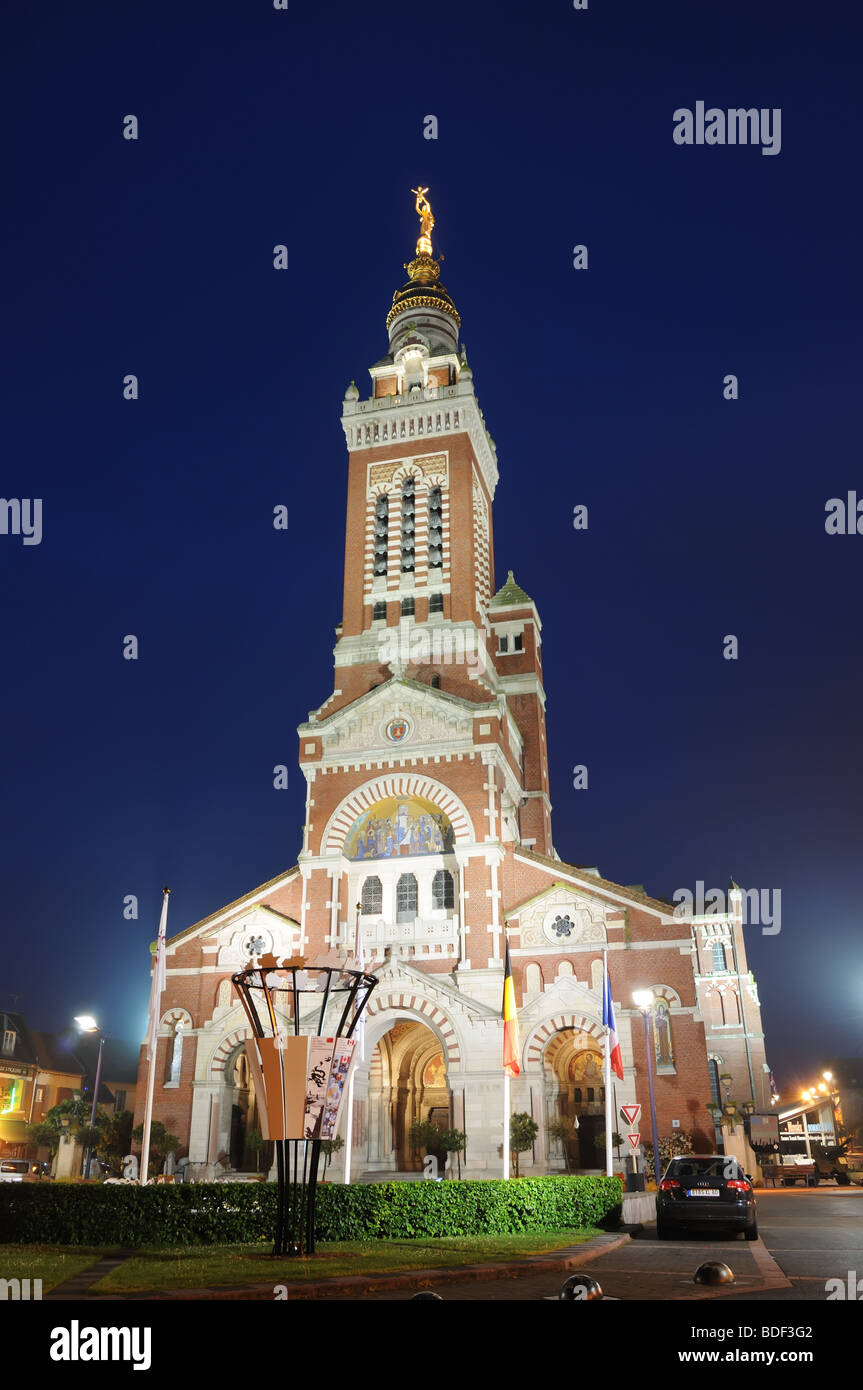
510 593
642 899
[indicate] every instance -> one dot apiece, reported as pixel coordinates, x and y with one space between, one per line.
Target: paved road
808 1235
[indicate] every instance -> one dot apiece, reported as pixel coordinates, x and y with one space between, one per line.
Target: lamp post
643 1000
88 1024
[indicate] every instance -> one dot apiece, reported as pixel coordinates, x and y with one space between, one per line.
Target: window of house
503 644
379 612
443 889
408 607
372 897
406 898
435 682
719 962
9 1036
119 1100
590 1093
435 531
518 642
436 603
382 526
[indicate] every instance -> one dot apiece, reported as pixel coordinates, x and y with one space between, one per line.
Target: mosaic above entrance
399 826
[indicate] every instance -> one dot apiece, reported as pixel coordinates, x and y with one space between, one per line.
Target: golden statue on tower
426 216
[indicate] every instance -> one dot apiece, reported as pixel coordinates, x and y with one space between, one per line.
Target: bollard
713 1272
581 1288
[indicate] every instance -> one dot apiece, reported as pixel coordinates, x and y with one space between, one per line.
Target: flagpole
506 1125
606 985
349 1118
157 984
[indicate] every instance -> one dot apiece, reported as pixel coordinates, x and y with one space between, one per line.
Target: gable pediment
372 724
560 918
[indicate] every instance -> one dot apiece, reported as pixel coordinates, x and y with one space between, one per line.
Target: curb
555 1262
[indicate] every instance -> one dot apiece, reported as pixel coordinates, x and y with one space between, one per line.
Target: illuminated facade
428 829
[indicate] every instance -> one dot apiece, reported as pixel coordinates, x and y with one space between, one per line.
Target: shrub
231 1213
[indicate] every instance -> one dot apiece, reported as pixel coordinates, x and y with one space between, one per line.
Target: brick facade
427 775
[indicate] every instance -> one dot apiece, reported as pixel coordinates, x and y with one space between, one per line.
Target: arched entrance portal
407 1082
575 1096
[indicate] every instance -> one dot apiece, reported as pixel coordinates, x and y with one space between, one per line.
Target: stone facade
428 830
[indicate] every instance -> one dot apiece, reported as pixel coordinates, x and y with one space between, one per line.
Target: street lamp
643 1000
88 1024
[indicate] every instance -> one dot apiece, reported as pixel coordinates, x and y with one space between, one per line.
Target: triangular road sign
630 1113
633 1139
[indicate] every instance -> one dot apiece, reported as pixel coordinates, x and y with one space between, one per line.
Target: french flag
612 1044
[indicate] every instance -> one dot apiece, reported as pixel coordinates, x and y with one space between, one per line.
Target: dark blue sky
602 387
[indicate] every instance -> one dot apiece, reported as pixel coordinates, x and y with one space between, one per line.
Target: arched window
408 525
443 889
730 1007
565 969
719 963
435 532
406 898
662 1030
372 898
382 526
533 979
715 1093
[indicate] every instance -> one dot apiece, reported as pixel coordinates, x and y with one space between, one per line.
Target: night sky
602 387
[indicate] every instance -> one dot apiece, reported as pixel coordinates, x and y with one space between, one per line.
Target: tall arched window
443 889
406 898
715 1092
408 525
372 897
435 529
382 526
719 963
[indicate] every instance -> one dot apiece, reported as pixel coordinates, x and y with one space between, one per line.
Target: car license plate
703 1192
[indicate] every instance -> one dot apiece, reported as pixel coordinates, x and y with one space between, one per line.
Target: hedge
233 1213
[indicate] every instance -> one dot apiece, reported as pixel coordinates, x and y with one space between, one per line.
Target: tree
563 1129
257 1143
330 1147
161 1142
44 1136
452 1142
427 1136
523 1130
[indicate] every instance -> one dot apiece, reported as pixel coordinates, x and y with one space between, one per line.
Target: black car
705 1190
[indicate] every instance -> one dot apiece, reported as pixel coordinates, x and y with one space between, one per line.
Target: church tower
433 741
427 838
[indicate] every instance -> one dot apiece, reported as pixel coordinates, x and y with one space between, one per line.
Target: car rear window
704 1168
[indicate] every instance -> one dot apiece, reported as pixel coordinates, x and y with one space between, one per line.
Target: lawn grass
53 1264
209 1266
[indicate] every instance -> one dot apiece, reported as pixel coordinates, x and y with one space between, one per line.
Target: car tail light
738 1184
668 1183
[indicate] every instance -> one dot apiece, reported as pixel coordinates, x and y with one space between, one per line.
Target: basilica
427 841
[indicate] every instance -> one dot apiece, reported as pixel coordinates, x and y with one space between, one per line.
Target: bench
789 1173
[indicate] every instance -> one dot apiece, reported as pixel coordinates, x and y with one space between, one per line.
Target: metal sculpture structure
300 1071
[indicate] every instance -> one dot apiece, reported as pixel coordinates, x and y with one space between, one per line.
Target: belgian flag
511 1045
